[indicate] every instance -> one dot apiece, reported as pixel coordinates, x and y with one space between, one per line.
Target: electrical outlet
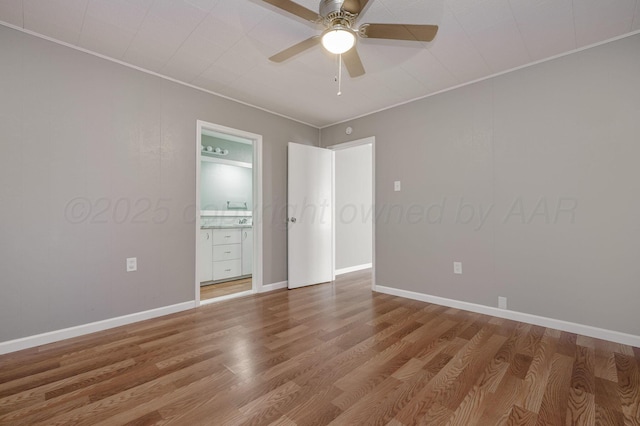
457 267
132 264
397 185
502 302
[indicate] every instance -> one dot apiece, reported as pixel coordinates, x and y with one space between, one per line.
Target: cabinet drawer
226 269
227 252
226 236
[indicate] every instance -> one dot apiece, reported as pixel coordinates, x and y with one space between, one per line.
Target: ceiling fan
339 37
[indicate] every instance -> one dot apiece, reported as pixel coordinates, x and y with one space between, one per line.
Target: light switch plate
396 185
132 264
457 267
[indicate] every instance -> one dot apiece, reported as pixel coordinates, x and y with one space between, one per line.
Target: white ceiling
223 45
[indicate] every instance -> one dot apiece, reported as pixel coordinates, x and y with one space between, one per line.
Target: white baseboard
80 330
353 268
585 330
274 286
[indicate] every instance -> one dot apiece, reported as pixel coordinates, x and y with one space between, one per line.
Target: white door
310 215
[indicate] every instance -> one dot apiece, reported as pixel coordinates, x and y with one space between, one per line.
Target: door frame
346 145
256 139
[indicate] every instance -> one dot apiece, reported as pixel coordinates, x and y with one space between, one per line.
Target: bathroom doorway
228 223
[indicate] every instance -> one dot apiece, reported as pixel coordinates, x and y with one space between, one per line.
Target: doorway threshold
226 297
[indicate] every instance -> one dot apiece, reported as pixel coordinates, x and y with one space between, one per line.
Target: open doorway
228 222
318 250
354 211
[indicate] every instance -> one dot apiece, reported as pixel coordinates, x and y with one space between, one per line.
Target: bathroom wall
222 183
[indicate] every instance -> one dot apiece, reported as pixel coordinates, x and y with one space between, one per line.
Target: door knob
292 220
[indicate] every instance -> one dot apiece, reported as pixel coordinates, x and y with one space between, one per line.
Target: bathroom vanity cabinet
247 251
225 253
205 265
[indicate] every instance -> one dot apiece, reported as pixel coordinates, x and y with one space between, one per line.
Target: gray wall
115 138
220 183
353 198
549 156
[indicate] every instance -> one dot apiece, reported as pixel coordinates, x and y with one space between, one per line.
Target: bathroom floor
223 289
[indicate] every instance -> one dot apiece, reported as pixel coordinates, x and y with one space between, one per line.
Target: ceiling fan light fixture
338 39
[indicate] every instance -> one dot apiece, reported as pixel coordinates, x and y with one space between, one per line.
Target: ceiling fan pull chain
339 75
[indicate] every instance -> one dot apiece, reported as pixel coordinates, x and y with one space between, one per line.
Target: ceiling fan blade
354 6
399 31
353 63
295 49
295 8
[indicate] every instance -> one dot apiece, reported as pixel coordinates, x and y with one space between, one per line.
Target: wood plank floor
328 354
223 289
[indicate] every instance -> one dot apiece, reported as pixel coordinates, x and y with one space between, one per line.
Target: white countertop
226 226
